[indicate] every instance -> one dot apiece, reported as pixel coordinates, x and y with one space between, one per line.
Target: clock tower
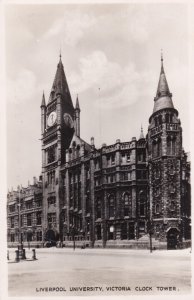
165 162
57 129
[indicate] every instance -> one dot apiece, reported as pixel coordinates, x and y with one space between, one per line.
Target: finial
161 55
141 134
162 67
77 103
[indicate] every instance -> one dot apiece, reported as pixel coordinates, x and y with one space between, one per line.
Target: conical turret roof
77 104
43 103
163 96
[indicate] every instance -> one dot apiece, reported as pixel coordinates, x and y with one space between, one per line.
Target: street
65 272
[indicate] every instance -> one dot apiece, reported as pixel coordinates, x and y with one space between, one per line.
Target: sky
111 57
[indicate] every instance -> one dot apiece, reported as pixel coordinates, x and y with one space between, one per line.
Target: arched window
171 143
160 119
127 205
159 148
156 121
167 118
111 206
154 148
157 208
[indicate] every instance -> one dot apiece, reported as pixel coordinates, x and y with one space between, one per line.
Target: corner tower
164 160
57 118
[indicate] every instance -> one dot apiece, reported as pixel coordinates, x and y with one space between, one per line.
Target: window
51 201
87 203
29 204
156 121
29 219
11 208
21 220
127 205
167 118
52 218
154 148
171 142
142 203
128 157
98 208
38 203
157 208
113 159
12 237
12 222
38 218
51 154
160 119
96 164
159 148
39 236
111 203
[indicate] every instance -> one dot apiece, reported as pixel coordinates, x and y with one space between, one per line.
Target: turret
43 114
77 117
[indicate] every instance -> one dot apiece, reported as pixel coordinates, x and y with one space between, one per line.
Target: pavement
65 272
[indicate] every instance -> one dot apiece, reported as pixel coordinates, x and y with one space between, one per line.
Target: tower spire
43 100
60 85
163 89
77 103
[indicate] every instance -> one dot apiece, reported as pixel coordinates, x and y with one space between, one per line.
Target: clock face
52 118
68 120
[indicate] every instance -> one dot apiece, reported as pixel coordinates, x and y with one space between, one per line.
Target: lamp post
19 221
150 231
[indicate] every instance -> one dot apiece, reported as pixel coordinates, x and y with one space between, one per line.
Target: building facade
115 196
24 211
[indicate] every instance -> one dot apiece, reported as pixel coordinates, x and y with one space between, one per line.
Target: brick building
116 195
24 210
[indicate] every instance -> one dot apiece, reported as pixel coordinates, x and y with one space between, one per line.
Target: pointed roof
77 104
43 103
141 134
163 95
60 85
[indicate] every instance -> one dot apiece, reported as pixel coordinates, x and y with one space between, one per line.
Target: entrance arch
172 238
51 237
